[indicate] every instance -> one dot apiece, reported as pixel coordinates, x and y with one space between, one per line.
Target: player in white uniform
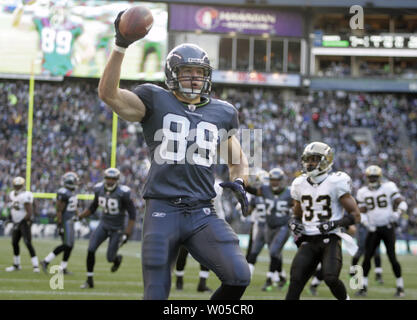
382 204
21 211
320 198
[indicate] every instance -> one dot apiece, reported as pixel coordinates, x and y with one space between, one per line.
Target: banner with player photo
59 38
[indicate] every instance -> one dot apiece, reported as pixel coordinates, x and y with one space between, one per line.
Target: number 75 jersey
320 202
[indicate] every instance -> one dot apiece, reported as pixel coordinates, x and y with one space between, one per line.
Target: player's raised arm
124 102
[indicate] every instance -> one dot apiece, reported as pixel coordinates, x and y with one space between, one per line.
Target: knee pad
155 250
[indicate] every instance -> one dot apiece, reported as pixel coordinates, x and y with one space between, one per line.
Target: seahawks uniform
182 140
379 205
113 207
70 201
21 227
277 215
319 203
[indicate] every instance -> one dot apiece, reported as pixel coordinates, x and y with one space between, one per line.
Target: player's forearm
85 214
129 228
109 82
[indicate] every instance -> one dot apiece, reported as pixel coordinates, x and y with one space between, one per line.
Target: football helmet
373 175
320 153
189 55
276 179
18 183
114 174
70 180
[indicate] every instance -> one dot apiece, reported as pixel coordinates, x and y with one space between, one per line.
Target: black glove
123 239
296 226
239 190
120 40
327 226
61 230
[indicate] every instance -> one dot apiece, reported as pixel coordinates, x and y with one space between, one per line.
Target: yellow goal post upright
43 195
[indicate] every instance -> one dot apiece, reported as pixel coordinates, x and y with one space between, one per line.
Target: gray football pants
208 238
100 234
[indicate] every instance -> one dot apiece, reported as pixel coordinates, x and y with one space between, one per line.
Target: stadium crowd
72 131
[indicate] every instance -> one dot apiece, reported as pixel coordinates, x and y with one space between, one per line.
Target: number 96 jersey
320 202
378 202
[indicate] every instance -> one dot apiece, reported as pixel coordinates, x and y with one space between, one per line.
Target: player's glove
296 226
120 40
75 218
123 239
327 226
239 190
61 230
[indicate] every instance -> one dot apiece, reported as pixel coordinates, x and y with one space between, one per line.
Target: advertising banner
239 20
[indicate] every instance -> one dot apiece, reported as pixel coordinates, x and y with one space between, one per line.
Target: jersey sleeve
342 184
295 191
94 205
393 191
62 195
145 93
28 197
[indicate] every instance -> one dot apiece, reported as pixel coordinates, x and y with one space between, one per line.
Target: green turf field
127 284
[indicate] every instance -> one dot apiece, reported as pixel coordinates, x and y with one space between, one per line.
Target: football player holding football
183 127
66 210
21 210
320 198
114 201
278 204
382 205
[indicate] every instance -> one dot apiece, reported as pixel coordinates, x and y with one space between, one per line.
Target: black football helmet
277 179
111 173
187 54
70 180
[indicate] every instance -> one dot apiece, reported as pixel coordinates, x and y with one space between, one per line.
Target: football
135 23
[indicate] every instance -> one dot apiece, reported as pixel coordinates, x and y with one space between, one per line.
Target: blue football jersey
183 142
70 199
278 206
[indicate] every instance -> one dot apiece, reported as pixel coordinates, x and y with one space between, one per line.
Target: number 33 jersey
320 202
183 141
378 202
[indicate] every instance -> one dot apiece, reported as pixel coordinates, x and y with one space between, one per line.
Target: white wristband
119 49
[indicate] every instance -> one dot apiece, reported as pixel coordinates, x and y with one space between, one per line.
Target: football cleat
268 285
87 285
179 284
44 266
313 289
378 278
36 269
400 293
362 292
116 263
203 288
14 267
67 272
282 282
